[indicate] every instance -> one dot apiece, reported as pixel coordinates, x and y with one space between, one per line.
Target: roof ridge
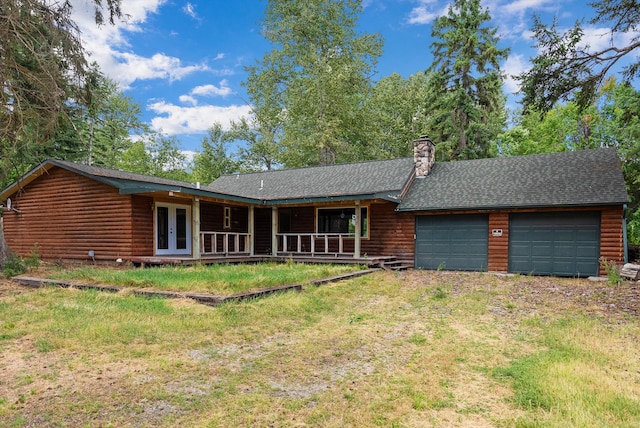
315 166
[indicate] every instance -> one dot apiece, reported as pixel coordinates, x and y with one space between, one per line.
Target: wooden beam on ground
342 277
630 271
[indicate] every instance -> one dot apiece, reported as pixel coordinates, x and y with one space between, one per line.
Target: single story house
549 214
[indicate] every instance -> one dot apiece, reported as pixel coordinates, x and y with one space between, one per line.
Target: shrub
13 266
612 272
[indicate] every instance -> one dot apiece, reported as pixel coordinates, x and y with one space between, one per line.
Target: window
227 217
342 220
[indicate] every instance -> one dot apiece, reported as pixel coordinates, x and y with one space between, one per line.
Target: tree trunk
5 252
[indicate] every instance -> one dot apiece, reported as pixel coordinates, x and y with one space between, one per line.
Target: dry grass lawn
405 349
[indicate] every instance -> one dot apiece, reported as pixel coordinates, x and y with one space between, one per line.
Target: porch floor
371 261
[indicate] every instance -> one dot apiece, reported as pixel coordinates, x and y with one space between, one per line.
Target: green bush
613 273
13 266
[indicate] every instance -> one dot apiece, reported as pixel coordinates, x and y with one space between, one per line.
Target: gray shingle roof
118 175
582 178
384 179
125 182
588 177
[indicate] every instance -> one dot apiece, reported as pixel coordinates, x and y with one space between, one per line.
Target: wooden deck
389 262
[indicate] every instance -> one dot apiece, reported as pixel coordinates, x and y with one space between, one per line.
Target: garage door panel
563 268
540 250
587 252
563 244
586 234
458 242
584 269
565 235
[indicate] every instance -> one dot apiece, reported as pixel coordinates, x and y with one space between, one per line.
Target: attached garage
555 243
452 242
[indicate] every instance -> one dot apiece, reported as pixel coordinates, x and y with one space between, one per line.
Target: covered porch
215 231
304 231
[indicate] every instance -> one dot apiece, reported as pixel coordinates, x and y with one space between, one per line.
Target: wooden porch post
195 228
358 232
251 229
274 231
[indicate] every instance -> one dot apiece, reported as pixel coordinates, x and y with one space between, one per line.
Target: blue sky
183 61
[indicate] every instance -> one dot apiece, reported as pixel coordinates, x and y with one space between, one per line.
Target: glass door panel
181 229
173 229
162 222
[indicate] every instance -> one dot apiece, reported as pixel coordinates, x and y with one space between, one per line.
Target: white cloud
212 90
188 99
523 6
206 91
426 12
190 120
134 67
219 57
513 66
190 10
600 38
109 47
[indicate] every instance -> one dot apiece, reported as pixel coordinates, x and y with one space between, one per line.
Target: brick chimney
424 155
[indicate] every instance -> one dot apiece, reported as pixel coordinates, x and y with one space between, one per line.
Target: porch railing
313 243
222 243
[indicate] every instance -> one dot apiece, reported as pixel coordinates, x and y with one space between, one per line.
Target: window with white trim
227 217
342 220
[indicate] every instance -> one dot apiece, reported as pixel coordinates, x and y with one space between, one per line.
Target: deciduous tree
313 77
394 114
213 161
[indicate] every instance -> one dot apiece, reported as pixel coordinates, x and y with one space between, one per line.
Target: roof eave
510 207
333 198
25 179
129 188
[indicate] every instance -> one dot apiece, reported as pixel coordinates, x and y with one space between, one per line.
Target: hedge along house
543 214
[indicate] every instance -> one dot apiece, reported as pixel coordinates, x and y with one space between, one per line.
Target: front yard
414 348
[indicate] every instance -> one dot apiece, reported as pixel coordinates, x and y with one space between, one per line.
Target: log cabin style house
549 214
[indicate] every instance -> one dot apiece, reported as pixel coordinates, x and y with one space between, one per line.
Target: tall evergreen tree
106 123
314 76
465 103
42 66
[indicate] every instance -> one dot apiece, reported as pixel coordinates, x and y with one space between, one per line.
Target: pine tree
465 102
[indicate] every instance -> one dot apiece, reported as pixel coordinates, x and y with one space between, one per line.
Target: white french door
173 229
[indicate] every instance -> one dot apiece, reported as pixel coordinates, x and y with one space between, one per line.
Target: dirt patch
8 287
539 291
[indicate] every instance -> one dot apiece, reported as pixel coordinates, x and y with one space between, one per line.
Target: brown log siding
66 215
390 232
499 245
142 233
212 218
611 236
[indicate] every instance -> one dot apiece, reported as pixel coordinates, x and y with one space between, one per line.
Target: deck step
395 264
